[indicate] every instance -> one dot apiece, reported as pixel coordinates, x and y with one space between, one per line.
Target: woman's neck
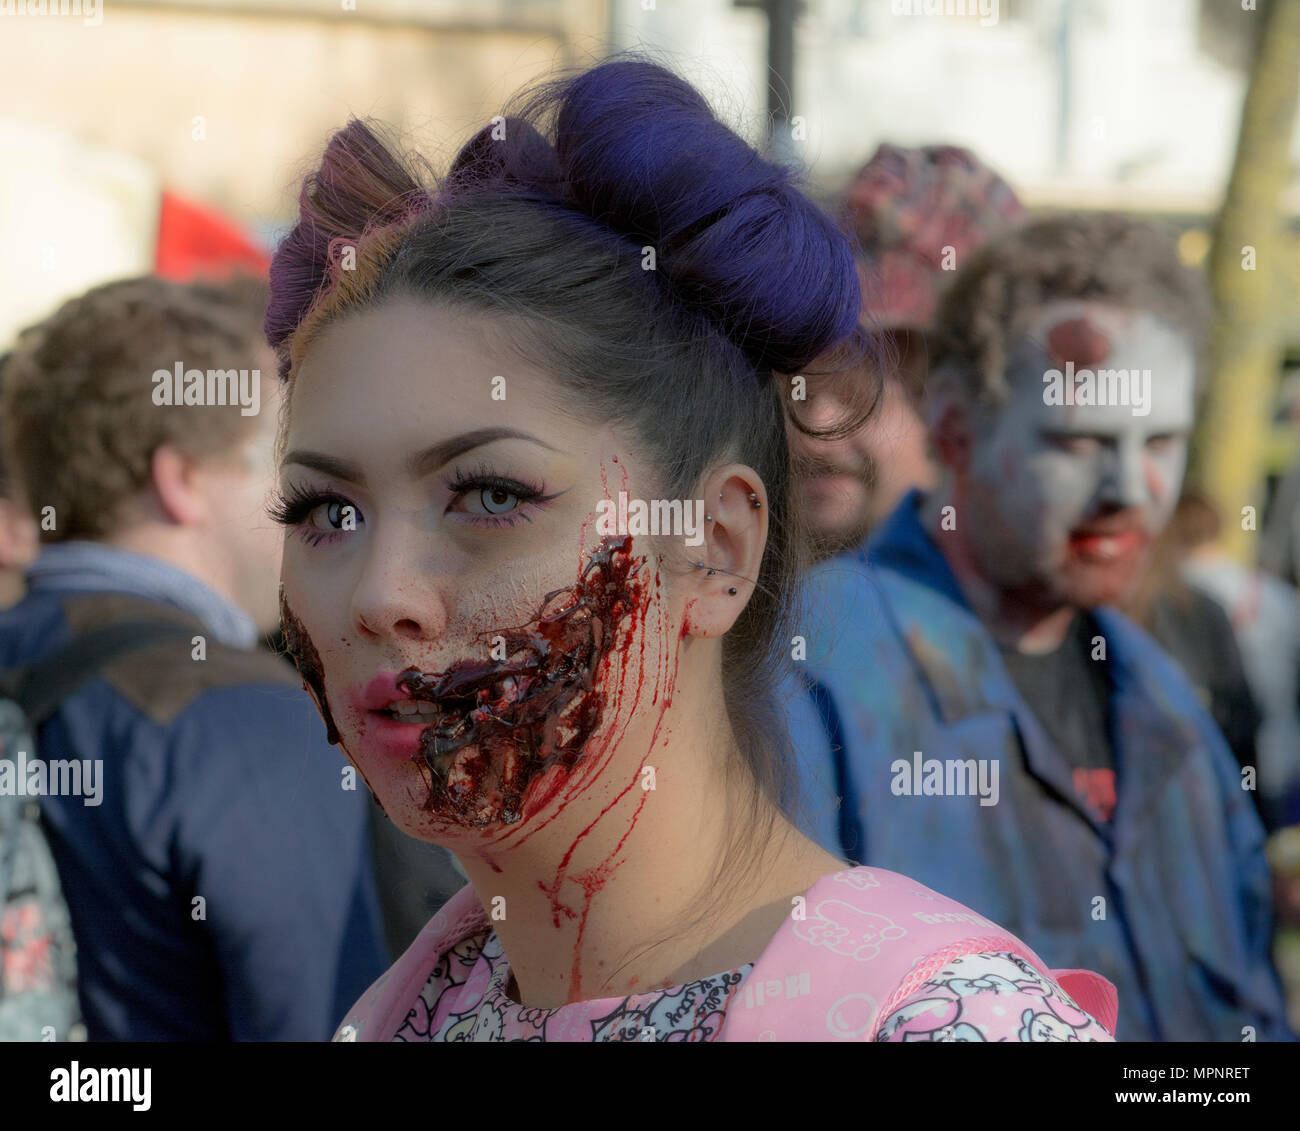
595 908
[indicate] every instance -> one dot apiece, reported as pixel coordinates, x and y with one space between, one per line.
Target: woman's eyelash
463 484
291 506
483 479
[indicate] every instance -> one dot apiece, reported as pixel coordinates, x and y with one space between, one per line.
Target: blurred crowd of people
1148 737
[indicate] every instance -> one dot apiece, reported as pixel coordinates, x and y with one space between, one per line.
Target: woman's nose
397 593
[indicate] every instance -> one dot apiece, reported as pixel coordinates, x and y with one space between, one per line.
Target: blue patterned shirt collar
92 567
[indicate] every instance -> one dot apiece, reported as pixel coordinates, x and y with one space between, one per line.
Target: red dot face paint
504 734
1080 341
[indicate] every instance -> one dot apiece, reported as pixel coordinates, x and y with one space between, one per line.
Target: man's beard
825 543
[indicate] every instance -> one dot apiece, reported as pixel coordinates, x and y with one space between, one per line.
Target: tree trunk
1246 344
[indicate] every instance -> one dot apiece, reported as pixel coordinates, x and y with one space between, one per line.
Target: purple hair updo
624 238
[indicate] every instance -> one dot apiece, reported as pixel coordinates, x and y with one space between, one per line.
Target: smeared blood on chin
496 753
307 660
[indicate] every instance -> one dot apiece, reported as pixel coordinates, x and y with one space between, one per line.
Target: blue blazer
223 888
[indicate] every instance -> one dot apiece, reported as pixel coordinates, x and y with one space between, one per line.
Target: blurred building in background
222 103
1079 103
1083 103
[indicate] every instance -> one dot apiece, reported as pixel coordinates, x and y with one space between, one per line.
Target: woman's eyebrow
422 462
318 461
432 458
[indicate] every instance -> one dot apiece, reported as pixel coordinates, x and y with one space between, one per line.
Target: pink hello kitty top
870 955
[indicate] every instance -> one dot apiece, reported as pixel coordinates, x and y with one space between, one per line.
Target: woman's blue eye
497 500
483 497
336 513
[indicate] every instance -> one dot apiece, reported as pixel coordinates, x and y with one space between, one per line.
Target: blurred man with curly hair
221 886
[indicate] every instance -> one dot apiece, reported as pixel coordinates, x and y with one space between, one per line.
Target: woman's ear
726 561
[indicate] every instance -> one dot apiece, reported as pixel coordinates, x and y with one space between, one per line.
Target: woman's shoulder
381 1010
861 945
989 996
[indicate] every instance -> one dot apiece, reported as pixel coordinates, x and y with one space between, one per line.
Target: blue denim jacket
1171 901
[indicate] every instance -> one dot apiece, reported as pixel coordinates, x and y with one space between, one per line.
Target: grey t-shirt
1069 692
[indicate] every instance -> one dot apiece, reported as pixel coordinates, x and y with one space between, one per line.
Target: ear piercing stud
732 590
753 502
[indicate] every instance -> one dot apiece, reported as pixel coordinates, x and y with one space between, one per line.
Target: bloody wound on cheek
505 725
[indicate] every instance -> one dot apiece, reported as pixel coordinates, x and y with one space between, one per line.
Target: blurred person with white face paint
914 214
972 641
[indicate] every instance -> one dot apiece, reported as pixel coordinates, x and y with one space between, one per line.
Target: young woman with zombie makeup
596 303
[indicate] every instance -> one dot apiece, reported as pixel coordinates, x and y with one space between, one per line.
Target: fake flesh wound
524 721
507 726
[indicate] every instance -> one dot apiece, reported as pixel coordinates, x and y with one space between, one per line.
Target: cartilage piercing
732 590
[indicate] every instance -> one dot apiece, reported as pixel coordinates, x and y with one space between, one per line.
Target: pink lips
378 694
389 736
